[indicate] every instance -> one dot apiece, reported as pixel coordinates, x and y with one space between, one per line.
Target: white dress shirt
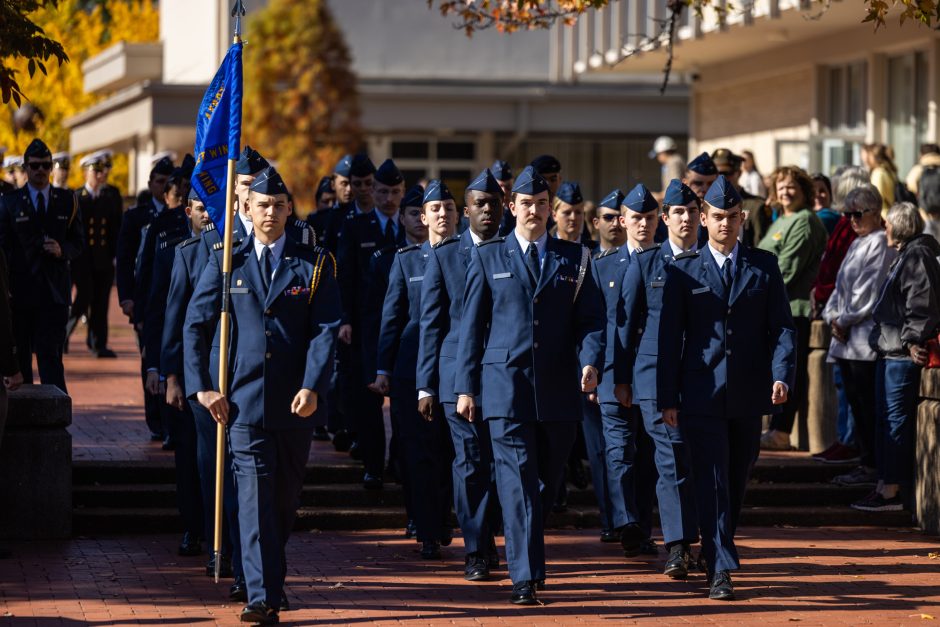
721 257
277 249
540 244
676 250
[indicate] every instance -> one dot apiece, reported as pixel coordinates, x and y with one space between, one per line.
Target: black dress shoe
410 530
225 566
320 434
355 452
285 604
560 506
677 566
475 568
430 551
539 584
371 482
259 614
649 547
238 593
610 535
190 545
105 353
168 444
447 536
631 540
156 437
721 587
342 441
523 593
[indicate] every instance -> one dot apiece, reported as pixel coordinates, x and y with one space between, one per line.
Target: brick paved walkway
826 576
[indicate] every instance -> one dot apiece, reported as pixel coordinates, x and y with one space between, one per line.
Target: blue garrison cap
678 193
269 183
703 164
570 192
343 166
388 173
640 200
414 197
360 165
722 194
37 148
529 182
193 195
501 170
164 166
250 162
437 190
546 164
613 200
486 182
325 186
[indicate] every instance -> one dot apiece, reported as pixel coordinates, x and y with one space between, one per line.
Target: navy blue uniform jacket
720 357
189 262
526 363
282 340
609 269
401 313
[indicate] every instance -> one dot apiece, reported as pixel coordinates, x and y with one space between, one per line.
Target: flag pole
224 327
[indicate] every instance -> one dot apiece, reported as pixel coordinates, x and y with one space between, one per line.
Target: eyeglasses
608 217
855 214
36 165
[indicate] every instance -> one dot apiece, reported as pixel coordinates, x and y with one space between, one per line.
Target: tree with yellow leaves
301 108
60 92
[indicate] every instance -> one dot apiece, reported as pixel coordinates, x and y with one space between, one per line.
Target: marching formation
503 335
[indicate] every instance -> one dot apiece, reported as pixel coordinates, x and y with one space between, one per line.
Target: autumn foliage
300 107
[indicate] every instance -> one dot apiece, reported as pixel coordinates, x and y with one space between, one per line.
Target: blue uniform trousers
363 409
41 330
428 455
530 466
205 461
620 425
596 447
398 451
475 500
269 473
645 476
182 430
674 489
724 450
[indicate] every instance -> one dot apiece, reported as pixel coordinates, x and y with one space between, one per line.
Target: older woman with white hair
848 313
906 316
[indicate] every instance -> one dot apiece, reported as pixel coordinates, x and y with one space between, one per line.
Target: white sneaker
773 440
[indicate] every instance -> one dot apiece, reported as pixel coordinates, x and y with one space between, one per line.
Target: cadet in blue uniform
726 351
442 291
700 173
285 312
328 218
428 451
531 340
40 233
642 295
135 220
502 171
361 235
609 425
93 270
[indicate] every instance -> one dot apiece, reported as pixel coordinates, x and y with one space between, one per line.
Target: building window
452 160
907 107
846 93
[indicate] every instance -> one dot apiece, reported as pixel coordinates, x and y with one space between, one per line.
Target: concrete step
352 495
102 520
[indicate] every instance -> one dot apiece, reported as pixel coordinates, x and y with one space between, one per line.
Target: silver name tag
701 290
657 283
238 290
415 279
503 275
22 218
367 245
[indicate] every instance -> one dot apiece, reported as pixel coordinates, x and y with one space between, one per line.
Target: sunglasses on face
855 214
608 217
36 165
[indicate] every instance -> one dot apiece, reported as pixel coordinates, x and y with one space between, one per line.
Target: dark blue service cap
193 195
360 165
640 200
436 191
486 182
613 200
414 197
722 194
529 182
163 167
388 173
37 148
269 183
546 164
325 186
250 162
678 193
703 164
501 170
570 192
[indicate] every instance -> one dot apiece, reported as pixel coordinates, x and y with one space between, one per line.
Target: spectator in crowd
929 158
879 159
751 179
848 314
906 315
822 202
798 239
672 164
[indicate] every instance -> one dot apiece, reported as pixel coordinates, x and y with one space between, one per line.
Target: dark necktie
41 206
727 275
389 233
532 262
266 268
